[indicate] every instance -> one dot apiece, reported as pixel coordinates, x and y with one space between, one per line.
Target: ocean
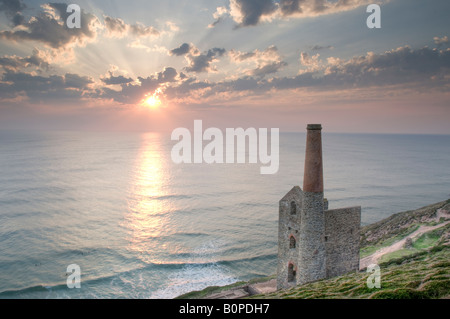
140 226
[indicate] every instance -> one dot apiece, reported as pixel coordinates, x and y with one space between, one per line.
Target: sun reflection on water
148 212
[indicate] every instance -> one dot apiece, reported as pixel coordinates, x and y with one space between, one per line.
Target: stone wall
289 225
342 240
312 254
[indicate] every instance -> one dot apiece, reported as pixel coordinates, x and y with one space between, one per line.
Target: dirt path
375 257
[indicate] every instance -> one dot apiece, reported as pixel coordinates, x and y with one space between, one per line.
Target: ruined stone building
313 242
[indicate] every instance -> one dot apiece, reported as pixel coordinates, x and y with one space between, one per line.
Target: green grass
424 275
396 255
425 241
369 250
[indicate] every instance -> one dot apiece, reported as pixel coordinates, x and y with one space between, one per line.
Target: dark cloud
183 49
320 47
76 81
134 93
168 75
52 30
202 62
12 9
268 68
11 6
251 11
39 88
289 7
15 63
112 80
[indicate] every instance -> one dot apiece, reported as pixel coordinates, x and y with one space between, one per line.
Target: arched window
292 242
291 273
293 208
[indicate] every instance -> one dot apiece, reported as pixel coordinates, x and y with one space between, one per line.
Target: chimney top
314 127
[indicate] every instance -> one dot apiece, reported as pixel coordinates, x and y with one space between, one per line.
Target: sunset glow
152 101
271 63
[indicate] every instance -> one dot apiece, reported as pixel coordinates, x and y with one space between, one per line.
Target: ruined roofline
343 208
296 191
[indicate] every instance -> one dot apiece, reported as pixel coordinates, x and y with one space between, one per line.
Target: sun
152 101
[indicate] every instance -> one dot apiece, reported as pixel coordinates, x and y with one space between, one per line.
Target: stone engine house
313 242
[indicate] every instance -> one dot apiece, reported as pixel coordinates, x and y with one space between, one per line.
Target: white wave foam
196 276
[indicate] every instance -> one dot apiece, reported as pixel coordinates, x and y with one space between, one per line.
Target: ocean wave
183 277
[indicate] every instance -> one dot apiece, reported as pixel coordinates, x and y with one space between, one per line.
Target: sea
137 225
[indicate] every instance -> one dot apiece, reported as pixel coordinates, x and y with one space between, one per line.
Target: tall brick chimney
312 253
313 173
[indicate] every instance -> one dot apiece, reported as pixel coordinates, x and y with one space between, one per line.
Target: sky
158 65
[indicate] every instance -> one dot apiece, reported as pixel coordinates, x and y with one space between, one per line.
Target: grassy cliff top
423 275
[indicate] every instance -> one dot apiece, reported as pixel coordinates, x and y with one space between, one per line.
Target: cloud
441 41
308 8
12 9
264 62
168 75
289 7
268 68
269 54
43 88
312 63
137 44
116 27
402 68
183 49
220 13
202 62
320 47
133 93
113 80
49 28
251 12
15 63
198 62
